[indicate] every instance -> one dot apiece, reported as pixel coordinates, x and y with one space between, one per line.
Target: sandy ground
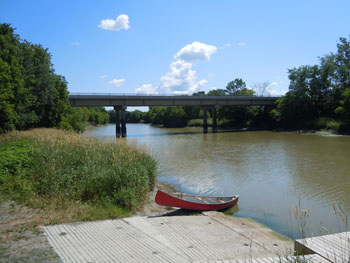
20 240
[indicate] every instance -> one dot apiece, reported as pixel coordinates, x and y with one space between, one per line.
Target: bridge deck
158 100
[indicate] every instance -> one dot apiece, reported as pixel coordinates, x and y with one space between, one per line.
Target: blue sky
179 46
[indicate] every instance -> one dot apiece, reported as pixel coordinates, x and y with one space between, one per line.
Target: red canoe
193 202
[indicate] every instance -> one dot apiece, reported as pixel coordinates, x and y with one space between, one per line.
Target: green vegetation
31 94
49 168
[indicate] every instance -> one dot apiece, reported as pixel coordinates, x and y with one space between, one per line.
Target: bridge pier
205 121
215 126
117 121
120 121
123 122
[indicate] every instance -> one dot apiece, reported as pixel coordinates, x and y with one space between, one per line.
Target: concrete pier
205 121
117 121
123 122
215 126
120 121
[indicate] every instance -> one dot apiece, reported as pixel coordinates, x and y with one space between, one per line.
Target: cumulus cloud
269 89
274 90
196 52
103 76
147 89
227 44
182 78
122 22
242 44
117 82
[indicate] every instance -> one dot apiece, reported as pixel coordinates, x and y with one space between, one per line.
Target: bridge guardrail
158 94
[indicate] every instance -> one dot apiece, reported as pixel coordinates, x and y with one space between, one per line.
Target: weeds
65 171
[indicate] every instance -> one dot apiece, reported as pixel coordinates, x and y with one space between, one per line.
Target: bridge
121 101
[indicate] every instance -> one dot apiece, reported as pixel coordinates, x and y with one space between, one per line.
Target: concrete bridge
121 101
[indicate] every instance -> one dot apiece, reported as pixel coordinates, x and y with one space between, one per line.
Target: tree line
31 93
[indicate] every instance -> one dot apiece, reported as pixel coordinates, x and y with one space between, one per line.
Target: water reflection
270 171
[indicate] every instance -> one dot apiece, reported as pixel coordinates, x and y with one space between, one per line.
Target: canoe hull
165 199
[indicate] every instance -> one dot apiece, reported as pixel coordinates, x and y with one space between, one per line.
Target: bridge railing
157 94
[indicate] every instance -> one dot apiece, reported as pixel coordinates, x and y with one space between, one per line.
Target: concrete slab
209 237
334 247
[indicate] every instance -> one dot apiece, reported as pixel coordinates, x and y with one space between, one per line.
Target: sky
181 46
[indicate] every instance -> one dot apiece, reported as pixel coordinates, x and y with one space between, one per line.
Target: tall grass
49 165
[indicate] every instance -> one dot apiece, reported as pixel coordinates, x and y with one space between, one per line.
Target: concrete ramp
203 238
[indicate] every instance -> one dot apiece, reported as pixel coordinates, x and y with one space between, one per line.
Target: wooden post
215 126
117 121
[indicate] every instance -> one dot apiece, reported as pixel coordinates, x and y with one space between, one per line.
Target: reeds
66 167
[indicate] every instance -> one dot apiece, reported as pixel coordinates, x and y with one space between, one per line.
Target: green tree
10 78
237 115
235 86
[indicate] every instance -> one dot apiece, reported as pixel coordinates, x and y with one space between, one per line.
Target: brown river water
271 171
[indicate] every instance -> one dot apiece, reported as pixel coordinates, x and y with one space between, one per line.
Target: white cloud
269 89
122 22
242 44
182 79
103 76
75 43
196 52
227 44
117 82
147 89
274 90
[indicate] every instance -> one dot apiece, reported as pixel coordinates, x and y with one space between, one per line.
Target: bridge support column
215 126
123 122
117 121
205 121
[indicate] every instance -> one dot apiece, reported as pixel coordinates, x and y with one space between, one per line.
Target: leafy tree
216 92
344 110
235 86
31 94
237 115
135 116
10 78
168 116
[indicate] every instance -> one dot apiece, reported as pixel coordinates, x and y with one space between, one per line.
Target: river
271 171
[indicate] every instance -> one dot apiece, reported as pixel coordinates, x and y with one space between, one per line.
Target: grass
326 124
199 122
72 177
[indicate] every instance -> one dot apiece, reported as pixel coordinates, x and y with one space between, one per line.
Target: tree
233 87
217 92
10 78
237 115
31 94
